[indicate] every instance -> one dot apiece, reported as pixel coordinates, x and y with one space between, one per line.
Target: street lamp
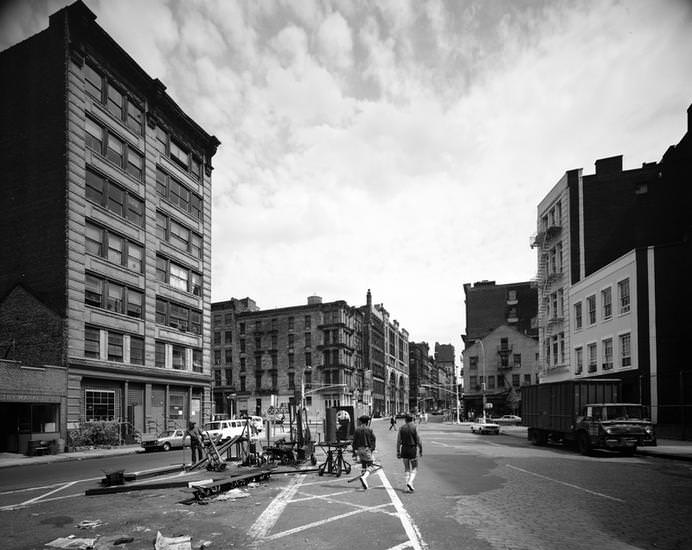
483 383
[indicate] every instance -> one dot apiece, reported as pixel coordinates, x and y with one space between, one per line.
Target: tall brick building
106 232
263 357
613 264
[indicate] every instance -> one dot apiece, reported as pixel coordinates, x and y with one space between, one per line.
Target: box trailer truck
587 413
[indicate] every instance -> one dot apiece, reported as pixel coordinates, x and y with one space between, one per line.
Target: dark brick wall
32 151
30 332
622 211
574 217
486 308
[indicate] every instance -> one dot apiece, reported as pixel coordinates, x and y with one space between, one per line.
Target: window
515 380
217 338
228 337
99 405
517 360
160 355
291 340
115 347
473 382
94 82
291 381
217 377
578 360
178 316
527 379
161 140
561 338
242 364
136 350
607 302
135 118
577 316
308 322
111 196
607 353
625 350
179 195
229 377
106 294
178 154
241 328
115 150
242 345
473 362
92 342
624 295
591 308
291 323
308 339
105 244
511 295
593 357
291 361
178 276
308 359
115 102
258 381
94 136
217 356
197 360
242 383
229 356
179 358
228 319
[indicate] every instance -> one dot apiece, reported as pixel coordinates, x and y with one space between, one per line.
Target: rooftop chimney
608 166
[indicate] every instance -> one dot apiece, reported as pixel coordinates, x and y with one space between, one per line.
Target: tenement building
613 264
500 345
273 358
106 236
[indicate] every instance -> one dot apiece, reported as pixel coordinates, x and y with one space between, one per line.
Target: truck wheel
584 444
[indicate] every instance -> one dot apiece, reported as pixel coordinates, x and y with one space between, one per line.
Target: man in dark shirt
407 444
364 442
196 444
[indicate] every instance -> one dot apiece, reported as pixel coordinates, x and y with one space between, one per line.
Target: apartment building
386 360
613 255
445 367
500 344
421 372
270 358
106 232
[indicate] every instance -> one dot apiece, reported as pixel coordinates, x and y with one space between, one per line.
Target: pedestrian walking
196 443
408 444
364 442
392 423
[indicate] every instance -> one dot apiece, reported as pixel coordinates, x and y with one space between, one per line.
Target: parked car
508 419
170 439
221 430
485 427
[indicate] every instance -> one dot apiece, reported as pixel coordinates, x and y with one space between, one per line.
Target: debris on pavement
89 524
172 543
72 542
232 495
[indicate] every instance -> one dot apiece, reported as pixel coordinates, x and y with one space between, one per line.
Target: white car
485 427
221 430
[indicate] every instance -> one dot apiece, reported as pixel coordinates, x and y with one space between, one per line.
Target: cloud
334 42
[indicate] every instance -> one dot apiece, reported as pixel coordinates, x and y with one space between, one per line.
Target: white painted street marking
271 514
323 522
411 530
566 484
40 497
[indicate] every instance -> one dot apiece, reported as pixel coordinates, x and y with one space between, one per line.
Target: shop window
99 405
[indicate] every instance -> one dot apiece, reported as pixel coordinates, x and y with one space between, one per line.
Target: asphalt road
478 492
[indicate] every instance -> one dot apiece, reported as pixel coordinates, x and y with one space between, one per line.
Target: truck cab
614 426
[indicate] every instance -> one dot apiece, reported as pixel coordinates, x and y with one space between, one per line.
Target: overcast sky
401 146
